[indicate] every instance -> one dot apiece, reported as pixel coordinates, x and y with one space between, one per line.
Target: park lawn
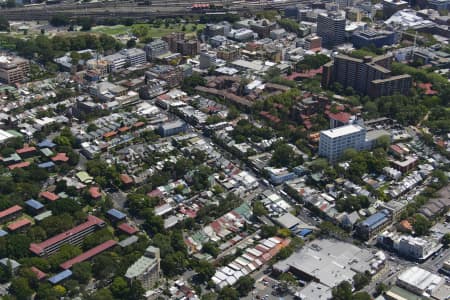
152 31
112 30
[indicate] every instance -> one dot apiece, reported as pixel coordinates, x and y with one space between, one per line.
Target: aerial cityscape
249 149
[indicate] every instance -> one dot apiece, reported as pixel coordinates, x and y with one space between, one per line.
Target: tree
20 288
82 272
140 30
343 291
360 280
381 288
361 296
228 293
211 248
59 20
205 270
244 285
259 209
284 156
4 24
103 294
421 225
131 43
268 231
446 239
119 288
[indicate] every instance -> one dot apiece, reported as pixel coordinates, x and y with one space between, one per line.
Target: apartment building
146 269
156 48
13 69
369 75
74 236
134 56
334 142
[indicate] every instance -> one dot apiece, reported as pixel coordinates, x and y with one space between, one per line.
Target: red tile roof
138 124
342 117
94 191
109 134
127 228
25 149
91 221
123 129
18 224
62 157
9 211
88 254
428 87
307 74
126 179
20 165
49 196
39 274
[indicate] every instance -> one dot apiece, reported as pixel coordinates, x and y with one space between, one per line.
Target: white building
134 56
420 281
146 269
115 62
334 142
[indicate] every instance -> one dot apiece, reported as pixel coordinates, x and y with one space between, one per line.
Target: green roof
84 177
47 152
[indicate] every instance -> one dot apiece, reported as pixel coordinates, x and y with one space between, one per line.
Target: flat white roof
342 131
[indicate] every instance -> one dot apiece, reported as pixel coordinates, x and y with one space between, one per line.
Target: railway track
158 8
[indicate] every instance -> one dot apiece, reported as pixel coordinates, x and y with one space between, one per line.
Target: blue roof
60 277
45 165
376 219
3 233
46 144
116 214
304 232
34 204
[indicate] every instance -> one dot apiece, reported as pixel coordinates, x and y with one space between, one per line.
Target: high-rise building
172 40
156 48
331 28
370 75
146 269
334 142
390 7
188 47
13 69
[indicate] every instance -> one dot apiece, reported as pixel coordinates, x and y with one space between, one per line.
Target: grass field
152 31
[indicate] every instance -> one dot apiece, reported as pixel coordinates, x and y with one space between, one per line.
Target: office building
13 69
280 175
374 224
370 75
373 38
331 28
134 56
146 269
156 48
334 142
115 62
390 7
172 128
74 236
